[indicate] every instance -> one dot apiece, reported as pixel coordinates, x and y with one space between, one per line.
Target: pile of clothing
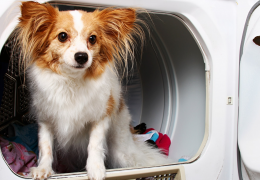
152 137
20 147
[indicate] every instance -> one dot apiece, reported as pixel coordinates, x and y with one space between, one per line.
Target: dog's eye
63 37
92 39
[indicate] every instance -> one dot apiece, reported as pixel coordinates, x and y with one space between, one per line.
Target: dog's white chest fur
71 104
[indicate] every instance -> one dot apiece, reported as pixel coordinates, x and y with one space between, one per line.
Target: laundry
140 128
18 157
143 137
25 135
153 137
184 159
163 142
20 147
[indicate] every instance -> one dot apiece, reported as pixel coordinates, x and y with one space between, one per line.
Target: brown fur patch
112 28
96 69
49 62
110 105
116 26
121 104
63 23
36 23
133 131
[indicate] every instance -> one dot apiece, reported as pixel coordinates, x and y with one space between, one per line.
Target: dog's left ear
117 23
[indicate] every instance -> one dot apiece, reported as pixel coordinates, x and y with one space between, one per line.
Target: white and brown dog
71 63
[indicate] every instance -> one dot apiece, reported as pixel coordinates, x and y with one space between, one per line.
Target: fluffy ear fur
36 23
117 23
118 27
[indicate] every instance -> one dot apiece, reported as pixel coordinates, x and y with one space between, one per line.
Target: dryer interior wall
169 92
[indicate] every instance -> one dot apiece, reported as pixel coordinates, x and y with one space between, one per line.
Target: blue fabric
19 141
27 136
182 160
155 136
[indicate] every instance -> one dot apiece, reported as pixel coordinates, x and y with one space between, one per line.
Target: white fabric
143 137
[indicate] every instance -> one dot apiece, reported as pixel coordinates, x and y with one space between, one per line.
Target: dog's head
75 41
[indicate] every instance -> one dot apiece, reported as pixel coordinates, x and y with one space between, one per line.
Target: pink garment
17 156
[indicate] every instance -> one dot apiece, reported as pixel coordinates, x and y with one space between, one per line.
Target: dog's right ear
37 16
36 23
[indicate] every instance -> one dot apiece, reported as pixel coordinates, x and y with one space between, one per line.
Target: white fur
71 112
78 24
44 168
78 44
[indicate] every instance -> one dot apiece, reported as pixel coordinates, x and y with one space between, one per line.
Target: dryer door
249 99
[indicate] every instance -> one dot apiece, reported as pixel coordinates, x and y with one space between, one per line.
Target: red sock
159 139
164 143
147 130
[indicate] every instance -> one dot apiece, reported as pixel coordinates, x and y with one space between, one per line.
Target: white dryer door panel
249 99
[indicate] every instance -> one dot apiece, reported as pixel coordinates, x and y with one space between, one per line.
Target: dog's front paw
40 172
96 169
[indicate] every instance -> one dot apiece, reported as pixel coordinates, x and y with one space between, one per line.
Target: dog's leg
96 150
44 169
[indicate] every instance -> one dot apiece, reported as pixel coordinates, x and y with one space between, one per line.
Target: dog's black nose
81 57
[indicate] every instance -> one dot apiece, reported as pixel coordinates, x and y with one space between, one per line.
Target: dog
71 60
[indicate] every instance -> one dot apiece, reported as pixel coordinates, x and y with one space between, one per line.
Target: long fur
83 120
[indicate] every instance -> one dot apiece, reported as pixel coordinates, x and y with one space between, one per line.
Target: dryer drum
165 88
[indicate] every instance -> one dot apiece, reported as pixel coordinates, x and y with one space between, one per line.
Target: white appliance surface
217 27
